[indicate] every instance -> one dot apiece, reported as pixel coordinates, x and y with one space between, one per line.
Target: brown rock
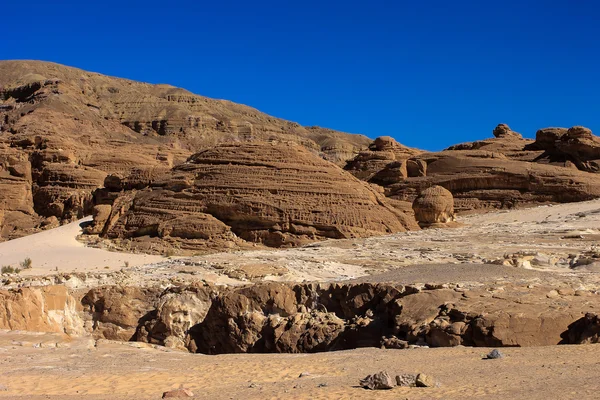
503 131
100 214
116 311
69 128
384 162
171 394
44 309
423 380
416 168
406 380
546 138
583 331
253 192
379 381
482 181
434 205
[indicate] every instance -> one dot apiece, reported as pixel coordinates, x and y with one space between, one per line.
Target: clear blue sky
430 73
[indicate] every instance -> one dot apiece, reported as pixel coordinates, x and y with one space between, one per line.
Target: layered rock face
273 194
434 205
63 130
503 172
576 147
385 162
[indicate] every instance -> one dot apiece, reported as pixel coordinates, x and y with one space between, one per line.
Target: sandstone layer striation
63 130
276 194
503 172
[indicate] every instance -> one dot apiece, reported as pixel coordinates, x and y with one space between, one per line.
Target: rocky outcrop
116 311
502 172
497 182
504 131
295 318
274 194
62 130
434 205
583 331
384 163
276 317
43 309
575 147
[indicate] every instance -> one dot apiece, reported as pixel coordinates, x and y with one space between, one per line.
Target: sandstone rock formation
277 317
385 162
116 311
502 172
584 330
576 146
45 309
63 130
503 131
274 194
434 205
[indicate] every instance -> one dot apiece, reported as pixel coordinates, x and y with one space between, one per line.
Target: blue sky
429 73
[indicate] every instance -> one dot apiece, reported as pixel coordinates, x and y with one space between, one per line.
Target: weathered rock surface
62 130
503 130
276 317
434 205
116 311
44 309
177 393
423 380
379 381
274 194
502 172
384 163
576 146
584 330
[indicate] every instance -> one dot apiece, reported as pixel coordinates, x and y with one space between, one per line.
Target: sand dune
58 250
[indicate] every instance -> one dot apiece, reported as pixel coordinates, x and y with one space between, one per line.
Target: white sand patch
58 249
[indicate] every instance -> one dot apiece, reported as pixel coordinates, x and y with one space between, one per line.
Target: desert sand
52 366
58 250
554 232
110 370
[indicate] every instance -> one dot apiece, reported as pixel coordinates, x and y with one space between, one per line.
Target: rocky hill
278 195
63 130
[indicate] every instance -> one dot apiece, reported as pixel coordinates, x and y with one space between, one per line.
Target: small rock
253 385
406 380
423 380
492 355
393 343
177 393
322 385
379 381
303 374
552 294
566 291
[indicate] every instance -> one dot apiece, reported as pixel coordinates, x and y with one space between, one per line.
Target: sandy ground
58 250
554 232
46 366
130 371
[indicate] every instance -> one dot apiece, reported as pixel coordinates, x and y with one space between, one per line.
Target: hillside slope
63 130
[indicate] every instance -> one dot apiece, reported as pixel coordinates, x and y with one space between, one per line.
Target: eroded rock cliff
276 194
502 172
63 130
